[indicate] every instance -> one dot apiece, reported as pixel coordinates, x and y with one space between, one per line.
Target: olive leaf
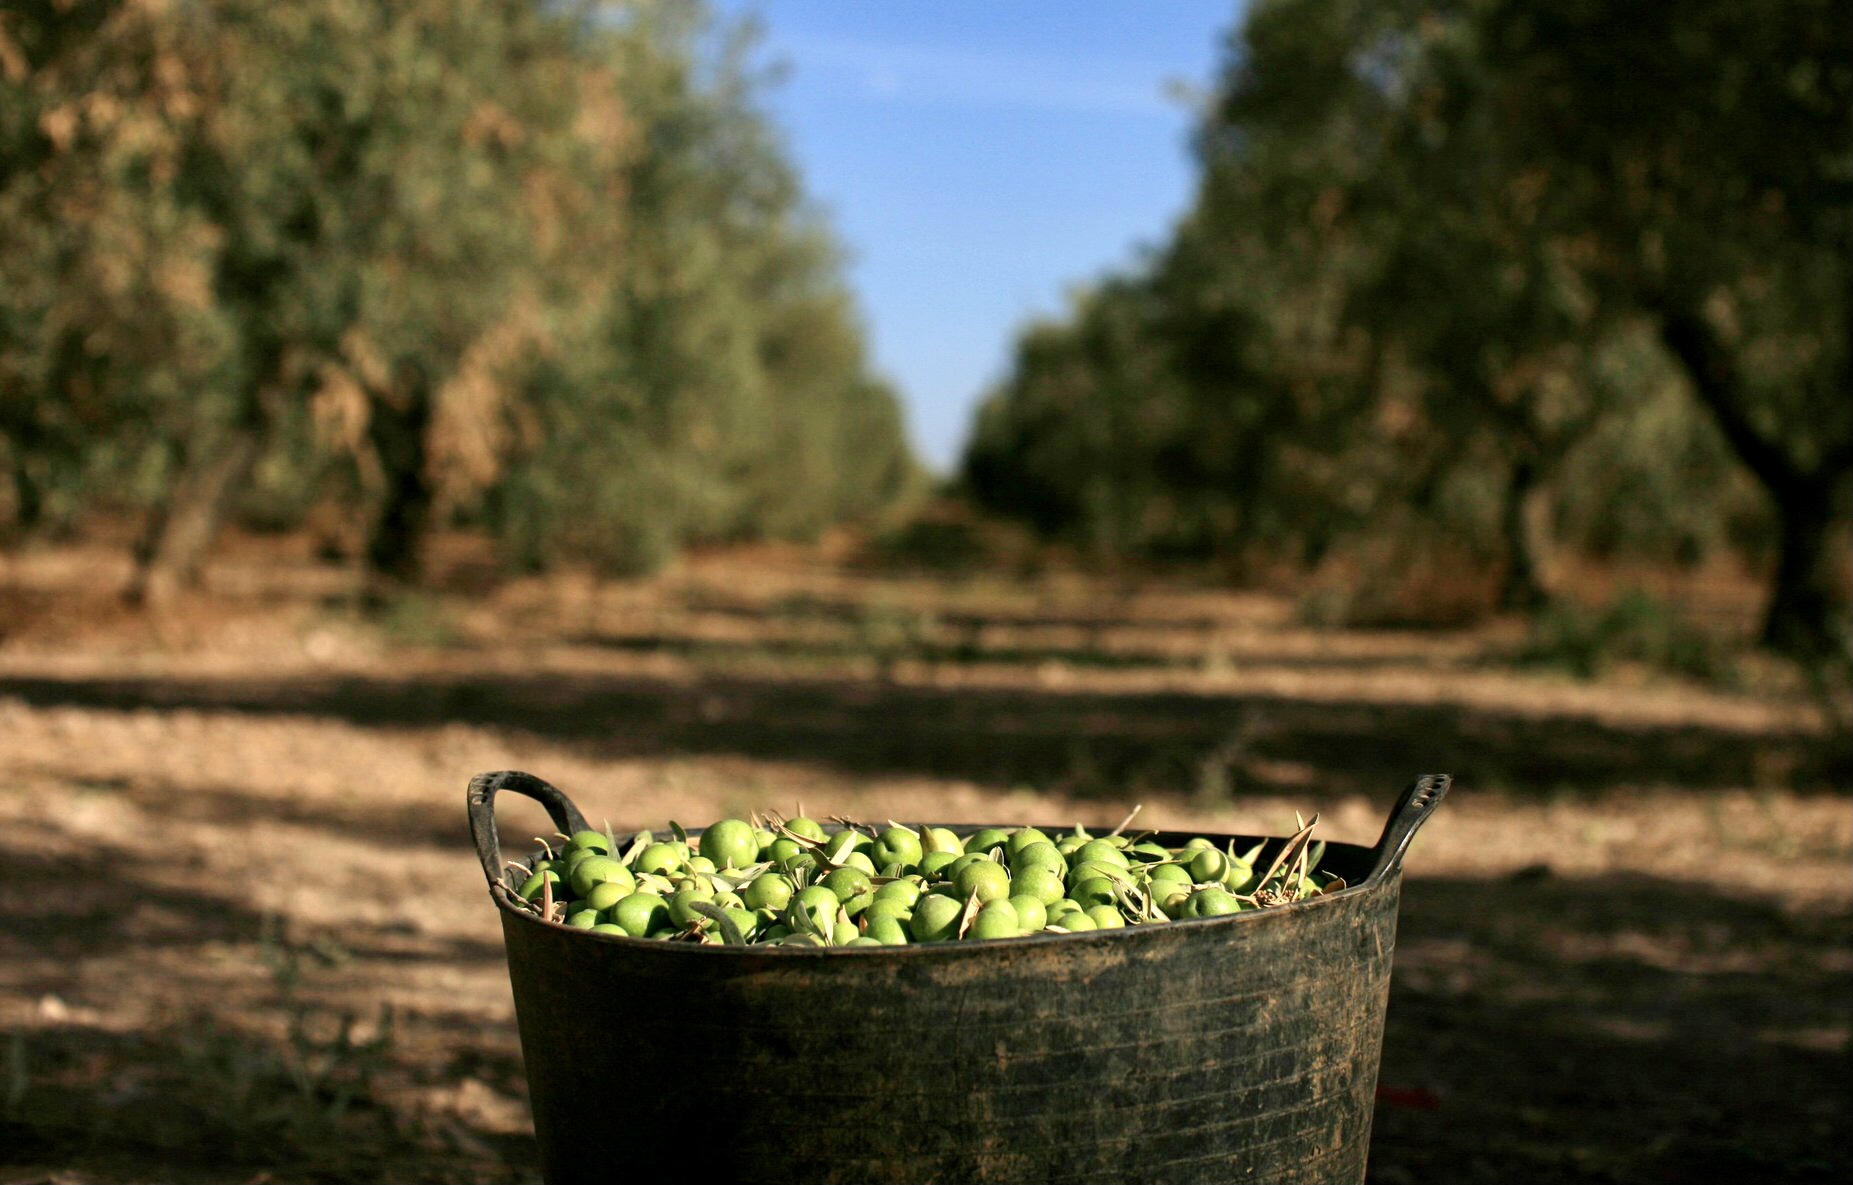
851 825
730 930
1289 850
1134 899
802 921
639 842
739 877
655 883
675 829
970 915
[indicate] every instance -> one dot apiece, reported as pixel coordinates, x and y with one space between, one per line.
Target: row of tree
1483 276
544 268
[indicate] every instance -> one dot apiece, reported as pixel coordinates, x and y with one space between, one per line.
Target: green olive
603 897
961 862
852 888
818 904
941 839
640 914
996 920
897 845
887 907
1240 877
681 905
1021 838
659 857
1030 911
1041 883
1101 851
1090 869
730 843
985 880
594 841
1038 855
1175 873
808 828
888 931
1213 902
936 918
1171 898
986 839
1208 865
768 890
904 891
599 870
933 865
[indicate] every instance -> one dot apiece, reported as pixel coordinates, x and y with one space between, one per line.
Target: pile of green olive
777 881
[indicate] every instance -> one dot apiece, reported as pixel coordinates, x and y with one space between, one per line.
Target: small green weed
1635 627
417 619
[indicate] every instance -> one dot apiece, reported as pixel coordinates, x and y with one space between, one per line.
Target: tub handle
482 792
1412 810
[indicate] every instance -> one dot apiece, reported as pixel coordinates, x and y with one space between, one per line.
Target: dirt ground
243 937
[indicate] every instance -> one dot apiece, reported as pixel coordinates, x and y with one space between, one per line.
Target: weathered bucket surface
1240 1048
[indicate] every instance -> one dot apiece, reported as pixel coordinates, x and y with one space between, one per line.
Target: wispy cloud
952 77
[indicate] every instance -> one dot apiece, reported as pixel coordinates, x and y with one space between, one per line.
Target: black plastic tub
1240 1048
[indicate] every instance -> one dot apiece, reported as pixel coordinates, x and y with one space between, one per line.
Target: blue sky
979 158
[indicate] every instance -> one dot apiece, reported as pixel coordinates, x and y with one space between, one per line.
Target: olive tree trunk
1808 602
1525 526
173 547
399 430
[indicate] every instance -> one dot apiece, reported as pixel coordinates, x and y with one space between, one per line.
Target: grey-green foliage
724 391
1457 277
544 267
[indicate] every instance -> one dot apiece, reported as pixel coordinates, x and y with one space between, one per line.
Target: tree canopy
545 269
1485 275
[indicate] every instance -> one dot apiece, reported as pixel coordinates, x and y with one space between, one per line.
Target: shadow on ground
1622 1030
223 1044
1618 1030
1082 742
